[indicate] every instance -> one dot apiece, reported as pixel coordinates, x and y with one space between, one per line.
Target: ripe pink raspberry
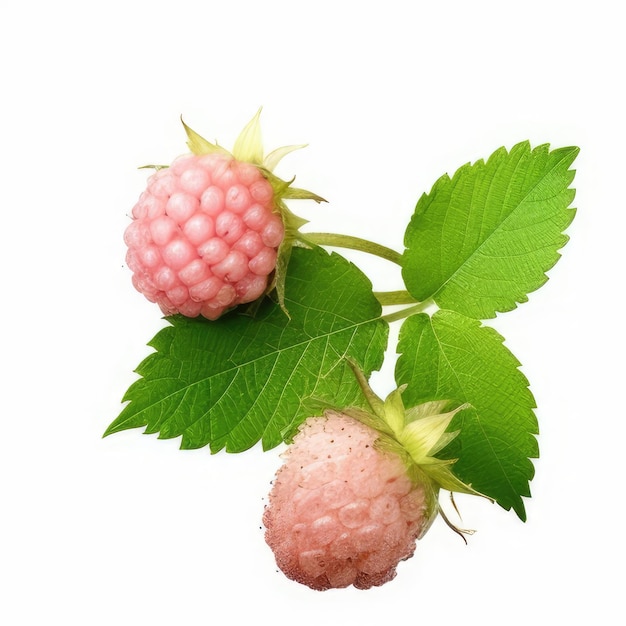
204 236
342 511
207 231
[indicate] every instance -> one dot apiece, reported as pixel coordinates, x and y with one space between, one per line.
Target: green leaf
238 380
450 356
480 241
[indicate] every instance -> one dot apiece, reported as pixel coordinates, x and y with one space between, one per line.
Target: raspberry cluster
342 511
204 236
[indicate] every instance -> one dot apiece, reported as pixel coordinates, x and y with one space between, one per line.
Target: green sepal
280 272
275 156
393 411
292 224
153 167
295 193
249 145
284 191
415 434
199 145
425 436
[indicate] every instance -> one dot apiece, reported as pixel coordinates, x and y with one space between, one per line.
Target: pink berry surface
341 511
204 236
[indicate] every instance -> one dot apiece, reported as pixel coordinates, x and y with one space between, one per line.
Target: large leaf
238 380
450 356
480 241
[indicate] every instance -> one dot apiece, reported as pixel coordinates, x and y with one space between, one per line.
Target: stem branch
406 312
391 298
353 243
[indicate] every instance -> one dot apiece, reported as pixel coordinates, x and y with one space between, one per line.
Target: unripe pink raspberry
207 231
342 511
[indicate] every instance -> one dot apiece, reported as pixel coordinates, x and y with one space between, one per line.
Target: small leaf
480 241
450 356
238 380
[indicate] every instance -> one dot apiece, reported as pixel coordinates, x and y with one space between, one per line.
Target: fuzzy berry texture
342 512
204 236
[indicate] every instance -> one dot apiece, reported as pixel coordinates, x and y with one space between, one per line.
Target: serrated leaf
450 356
238 380
482 240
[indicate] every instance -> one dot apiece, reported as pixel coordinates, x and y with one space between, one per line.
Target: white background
389 96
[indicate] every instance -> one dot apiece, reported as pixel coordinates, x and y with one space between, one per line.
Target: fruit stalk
352 243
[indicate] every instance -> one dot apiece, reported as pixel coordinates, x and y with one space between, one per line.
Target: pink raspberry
342 511
204 236
207 231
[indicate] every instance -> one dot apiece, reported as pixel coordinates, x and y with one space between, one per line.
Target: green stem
353 243
406 312
391 298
